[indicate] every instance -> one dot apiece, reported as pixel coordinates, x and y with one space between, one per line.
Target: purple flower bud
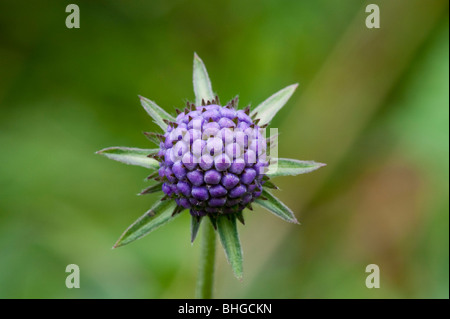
189 161
214 146
229 180
206 162
184 188
217 202
222 162
200 193
212 177
195 177
233 150
183 202
238 191
226 122
237 166
248 175
217 191
179 170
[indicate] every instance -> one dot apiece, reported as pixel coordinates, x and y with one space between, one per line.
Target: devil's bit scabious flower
212 160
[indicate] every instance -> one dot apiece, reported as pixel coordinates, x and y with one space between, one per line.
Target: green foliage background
372 103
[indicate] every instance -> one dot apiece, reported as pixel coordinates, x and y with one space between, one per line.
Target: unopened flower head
213 158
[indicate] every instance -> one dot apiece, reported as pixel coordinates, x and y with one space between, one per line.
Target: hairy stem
205 278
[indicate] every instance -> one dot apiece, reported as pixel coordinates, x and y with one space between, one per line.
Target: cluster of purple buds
212 159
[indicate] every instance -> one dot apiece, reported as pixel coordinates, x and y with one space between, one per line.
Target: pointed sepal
195 225
152 189
291 167
158 215
131 156
227 229
156 112
269 108
276 207
202 84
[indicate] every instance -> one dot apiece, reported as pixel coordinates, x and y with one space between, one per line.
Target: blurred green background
372 103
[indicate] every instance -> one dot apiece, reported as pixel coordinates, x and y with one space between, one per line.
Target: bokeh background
372 103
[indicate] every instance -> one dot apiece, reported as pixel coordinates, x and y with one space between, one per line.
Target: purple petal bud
200 193
196 123
248 175
166 189
238 191
241 139
179 170
233 150
192 135
250 158
229 180
189 161
212 210
197 147
184 188
211 114
212 177
246 199
169 174
251 187
232 202
217 191
214 146
180 149
243 117
217 202
229 113
226 122
195 177
257 193
206 162
237 166
222 162
227 135
183 202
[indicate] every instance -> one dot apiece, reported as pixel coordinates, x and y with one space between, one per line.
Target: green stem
205 278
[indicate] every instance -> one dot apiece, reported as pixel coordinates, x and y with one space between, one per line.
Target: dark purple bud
212 177
197 147
257 193
189 161
170 176
196 123
251 187
226 122
222 162
195 177
184 188
237 166
232 202
179 170
166 189
246 199
214 146
217 191
217 202
212 210
238 191
200 193
211 114
233 150
198 213
229 113
229 180
183 202
248 175
243 117
249 158
206 162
